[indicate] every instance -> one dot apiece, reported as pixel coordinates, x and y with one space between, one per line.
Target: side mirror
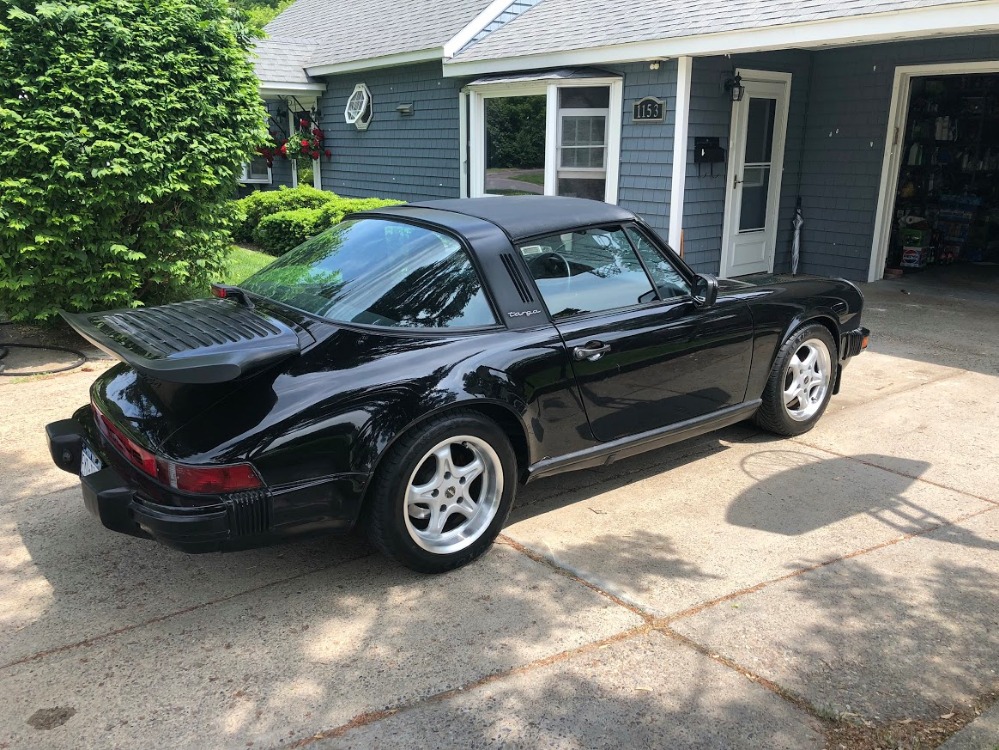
705 290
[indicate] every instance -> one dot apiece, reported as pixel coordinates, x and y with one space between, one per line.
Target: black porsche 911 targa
406 369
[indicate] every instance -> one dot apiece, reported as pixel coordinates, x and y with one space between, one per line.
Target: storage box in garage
914 257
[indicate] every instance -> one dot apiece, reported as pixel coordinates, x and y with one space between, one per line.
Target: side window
669 281
587 271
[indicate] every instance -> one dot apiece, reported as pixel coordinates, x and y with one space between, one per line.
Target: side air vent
517 278
249 513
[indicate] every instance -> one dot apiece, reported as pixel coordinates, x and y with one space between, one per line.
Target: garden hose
5 347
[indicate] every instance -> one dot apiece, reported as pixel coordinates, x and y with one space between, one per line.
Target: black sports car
406 369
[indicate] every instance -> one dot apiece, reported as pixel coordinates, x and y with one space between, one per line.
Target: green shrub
256 206
123 125
278 233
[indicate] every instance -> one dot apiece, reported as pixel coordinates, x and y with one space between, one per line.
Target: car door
644 355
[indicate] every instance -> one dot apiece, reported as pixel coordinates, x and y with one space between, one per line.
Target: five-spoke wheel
801 382
443 492
454 493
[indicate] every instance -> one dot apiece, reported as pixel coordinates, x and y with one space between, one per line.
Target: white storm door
756 163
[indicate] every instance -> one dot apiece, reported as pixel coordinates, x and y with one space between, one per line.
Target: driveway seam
872 465
161 618
370 717
573 576
697 609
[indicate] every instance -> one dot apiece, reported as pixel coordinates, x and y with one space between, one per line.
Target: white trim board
274 89
473 27
435 54
945 20
894 141
681 130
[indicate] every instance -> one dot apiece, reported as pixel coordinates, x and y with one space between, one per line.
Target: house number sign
649 109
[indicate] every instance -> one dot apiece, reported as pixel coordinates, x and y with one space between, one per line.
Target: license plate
89 462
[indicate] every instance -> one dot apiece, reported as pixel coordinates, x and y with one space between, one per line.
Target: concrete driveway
841 589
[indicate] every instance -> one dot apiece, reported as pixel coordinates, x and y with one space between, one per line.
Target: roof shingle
563 25
344 32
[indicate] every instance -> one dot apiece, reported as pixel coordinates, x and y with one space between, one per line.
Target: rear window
379 272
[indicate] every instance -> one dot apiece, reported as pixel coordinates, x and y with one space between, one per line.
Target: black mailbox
707 151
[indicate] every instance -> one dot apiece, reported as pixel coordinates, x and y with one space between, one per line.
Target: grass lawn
243 263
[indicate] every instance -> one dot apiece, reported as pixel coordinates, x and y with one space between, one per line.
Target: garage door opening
942 217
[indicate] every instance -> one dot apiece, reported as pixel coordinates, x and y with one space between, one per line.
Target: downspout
684 66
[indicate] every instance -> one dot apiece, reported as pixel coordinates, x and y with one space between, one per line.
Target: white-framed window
550 137
256 172
358 110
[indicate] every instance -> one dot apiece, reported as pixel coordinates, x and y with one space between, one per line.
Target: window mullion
552 132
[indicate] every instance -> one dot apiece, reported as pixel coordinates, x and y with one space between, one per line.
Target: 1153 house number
649 109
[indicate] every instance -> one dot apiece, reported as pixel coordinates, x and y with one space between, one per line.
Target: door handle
593 351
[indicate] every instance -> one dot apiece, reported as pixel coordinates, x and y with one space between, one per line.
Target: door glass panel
755 190
756 168
760 130
515 145
587 271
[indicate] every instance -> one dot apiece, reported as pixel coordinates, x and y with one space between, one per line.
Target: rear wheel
800 382
443 493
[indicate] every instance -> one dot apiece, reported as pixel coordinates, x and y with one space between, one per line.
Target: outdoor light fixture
735 88
406 110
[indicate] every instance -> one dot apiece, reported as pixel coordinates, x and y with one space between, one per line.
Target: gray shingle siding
647 149
410 158
845 142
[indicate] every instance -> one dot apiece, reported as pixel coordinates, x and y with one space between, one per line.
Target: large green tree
261 12
123 125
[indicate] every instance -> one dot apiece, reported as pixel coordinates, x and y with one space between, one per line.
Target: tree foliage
515 132
261 12
123 125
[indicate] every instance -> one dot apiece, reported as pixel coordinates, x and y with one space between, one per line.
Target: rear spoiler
200 341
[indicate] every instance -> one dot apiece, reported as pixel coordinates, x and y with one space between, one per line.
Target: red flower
329 153
305 143
283 149
314 154
303 123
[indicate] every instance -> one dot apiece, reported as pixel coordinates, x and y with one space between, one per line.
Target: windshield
379 272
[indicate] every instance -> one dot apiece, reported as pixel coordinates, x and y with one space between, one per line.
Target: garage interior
947 203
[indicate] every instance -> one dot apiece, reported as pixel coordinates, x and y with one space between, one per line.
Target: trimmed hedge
280 231
256 206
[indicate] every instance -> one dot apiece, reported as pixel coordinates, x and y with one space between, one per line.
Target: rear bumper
237 521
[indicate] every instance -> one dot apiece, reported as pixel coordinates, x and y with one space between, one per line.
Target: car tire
442 493
800 383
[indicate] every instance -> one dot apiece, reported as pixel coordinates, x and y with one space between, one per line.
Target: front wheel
800 382
442 494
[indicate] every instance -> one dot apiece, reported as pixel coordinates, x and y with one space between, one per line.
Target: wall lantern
734 88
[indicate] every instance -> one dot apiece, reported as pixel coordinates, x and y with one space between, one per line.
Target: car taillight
213 479
208 479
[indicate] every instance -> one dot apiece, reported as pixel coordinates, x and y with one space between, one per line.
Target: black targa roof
527 216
